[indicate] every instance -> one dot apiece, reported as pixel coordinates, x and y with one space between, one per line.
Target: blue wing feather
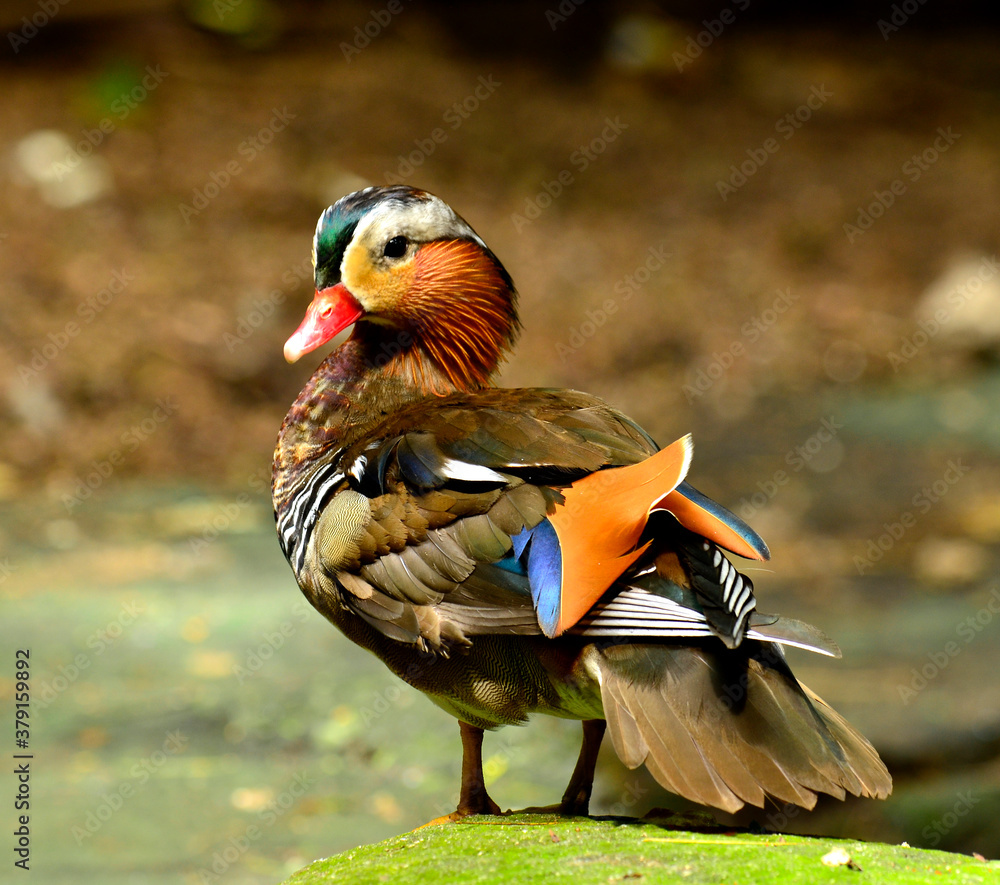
538 548
520 541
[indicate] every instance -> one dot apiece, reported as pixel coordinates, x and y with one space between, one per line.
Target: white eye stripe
419 221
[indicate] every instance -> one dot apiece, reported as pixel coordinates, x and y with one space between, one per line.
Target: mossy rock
539 848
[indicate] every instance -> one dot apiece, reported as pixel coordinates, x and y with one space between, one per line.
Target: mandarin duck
510 552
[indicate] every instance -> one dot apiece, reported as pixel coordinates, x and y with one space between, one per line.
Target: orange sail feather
600 523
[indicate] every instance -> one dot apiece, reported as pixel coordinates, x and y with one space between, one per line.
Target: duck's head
411 273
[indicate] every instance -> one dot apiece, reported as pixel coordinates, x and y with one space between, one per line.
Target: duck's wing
520 511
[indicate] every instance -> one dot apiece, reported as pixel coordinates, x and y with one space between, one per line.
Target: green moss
530 848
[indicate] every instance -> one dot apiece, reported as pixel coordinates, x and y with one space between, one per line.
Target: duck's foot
478 802
485 806
563 809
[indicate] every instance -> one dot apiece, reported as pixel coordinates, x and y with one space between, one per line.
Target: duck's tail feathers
729 727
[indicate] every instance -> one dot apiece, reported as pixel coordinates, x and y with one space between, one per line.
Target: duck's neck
372 374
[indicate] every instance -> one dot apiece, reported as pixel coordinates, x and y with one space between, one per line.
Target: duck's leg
473 799
576 799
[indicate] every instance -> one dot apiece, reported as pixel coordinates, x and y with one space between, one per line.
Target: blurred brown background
779 234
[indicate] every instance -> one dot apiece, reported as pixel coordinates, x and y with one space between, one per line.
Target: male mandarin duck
510 552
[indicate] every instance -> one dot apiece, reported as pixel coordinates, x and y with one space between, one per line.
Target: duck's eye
395 248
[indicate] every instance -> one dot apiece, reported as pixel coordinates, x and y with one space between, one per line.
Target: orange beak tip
331 311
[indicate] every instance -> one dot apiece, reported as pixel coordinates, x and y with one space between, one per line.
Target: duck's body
510 552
